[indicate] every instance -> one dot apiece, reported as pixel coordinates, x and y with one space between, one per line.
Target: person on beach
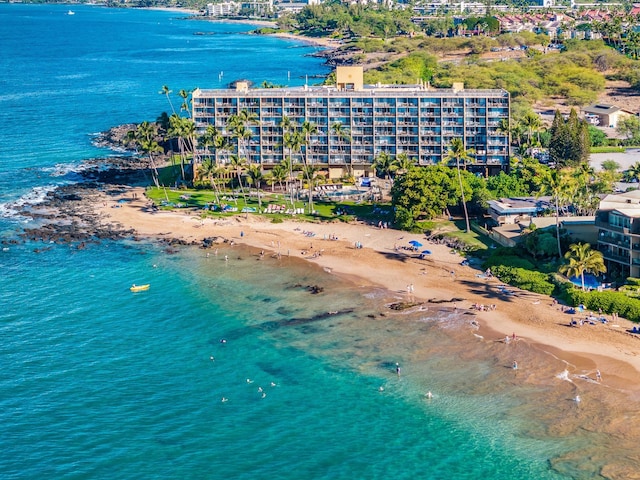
515 365
598 376
397 369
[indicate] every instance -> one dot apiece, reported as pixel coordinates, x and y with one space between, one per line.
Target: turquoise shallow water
97 382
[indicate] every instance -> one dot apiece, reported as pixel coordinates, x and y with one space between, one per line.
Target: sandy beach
382 261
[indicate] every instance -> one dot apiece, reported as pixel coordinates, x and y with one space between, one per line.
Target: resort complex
352 123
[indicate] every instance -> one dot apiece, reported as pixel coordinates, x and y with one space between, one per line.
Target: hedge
507 257
526 279
608 301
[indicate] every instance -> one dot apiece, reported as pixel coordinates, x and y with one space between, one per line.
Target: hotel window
616 220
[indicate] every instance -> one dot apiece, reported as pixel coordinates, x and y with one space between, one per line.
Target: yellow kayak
139 288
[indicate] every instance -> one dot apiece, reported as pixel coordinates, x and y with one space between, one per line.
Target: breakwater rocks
338 56
68 216
68 213
115 137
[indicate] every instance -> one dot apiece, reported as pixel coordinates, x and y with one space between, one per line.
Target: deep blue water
97 382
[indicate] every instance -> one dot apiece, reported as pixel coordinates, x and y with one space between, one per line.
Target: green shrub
509 257
526 279
607 301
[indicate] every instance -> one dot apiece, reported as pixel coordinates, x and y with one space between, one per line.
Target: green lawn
201 199
196 199
476 240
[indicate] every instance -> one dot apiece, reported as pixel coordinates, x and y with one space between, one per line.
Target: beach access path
382 261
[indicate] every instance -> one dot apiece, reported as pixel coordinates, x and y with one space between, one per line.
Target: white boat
71 12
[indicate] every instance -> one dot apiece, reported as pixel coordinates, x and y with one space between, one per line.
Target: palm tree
189 132
384 164
239 126
292 141
343 136
403 163
556 184
308 129
582 258
185 101
505 129
221 145
532 123
633 173
256 176
166 92
207 138
208 169
279 174
183 129
458 153
238 163
287 126
311 173
144 138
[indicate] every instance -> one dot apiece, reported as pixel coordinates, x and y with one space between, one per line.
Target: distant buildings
357 122
231 8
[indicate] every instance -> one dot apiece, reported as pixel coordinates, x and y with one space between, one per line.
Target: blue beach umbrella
426 252
415 243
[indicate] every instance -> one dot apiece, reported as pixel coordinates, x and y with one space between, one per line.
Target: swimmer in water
224 399
249 380
212 359
264 395
381 388
260 389
273 384
429 395
397 368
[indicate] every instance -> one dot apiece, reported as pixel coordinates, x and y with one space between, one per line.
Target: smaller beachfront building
618 224
517 209
603 115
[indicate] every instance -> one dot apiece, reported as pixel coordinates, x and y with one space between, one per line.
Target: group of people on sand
484 308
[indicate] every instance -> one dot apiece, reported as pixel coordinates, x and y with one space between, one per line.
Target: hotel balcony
604 223
608 255
623 242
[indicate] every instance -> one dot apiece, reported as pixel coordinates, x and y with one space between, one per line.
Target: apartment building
357 122
618 224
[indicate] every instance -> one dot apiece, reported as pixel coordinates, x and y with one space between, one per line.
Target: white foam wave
35 196
564 375
64 169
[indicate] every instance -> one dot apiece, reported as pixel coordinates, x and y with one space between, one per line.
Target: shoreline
534 318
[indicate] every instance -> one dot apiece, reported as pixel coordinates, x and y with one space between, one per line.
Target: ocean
228 369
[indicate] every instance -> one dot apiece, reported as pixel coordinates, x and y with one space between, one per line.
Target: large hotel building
357 122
